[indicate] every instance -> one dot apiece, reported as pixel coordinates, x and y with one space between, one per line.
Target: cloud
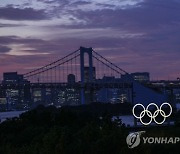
105 5
4 49
77 3
19 40
25 46
141 18
12 13
143 37
10 25
48 1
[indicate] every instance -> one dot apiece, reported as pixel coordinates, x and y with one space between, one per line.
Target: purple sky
137 35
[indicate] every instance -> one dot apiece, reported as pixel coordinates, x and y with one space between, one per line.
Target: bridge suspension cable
55 71
51 63
59 70
113 65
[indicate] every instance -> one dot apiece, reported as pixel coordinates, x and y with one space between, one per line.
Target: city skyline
137 35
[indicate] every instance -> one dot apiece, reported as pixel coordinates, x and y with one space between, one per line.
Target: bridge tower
88 51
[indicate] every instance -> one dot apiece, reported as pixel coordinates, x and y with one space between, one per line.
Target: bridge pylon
88 51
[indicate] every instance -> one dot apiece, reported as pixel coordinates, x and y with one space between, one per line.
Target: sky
137 35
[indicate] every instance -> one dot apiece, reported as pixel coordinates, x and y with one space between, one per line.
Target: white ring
146 111
150 115
159 123
135 107
169 107
154 115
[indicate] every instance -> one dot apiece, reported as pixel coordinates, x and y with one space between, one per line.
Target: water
10 114
128 120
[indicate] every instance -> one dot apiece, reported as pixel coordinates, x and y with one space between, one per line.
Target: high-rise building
16 98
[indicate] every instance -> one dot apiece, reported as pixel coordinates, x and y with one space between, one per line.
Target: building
71 79
141 76
141 92
13 78
113 94
171 87
16 98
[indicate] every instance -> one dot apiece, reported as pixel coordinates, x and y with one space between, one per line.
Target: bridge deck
66 85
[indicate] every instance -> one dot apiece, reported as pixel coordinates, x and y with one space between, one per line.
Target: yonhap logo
133 139
151 115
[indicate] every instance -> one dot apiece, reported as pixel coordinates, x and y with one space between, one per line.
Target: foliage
64 131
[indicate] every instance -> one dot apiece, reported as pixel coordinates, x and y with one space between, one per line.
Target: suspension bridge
84 75
86 64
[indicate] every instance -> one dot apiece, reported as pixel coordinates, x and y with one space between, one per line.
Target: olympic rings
152 116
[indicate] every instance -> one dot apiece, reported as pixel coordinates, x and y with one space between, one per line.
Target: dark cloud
56 3
159 21
4 49
77 3
106 5
7 39
37 45
162 4
144 18
18 40
11 25
48 1
22 14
